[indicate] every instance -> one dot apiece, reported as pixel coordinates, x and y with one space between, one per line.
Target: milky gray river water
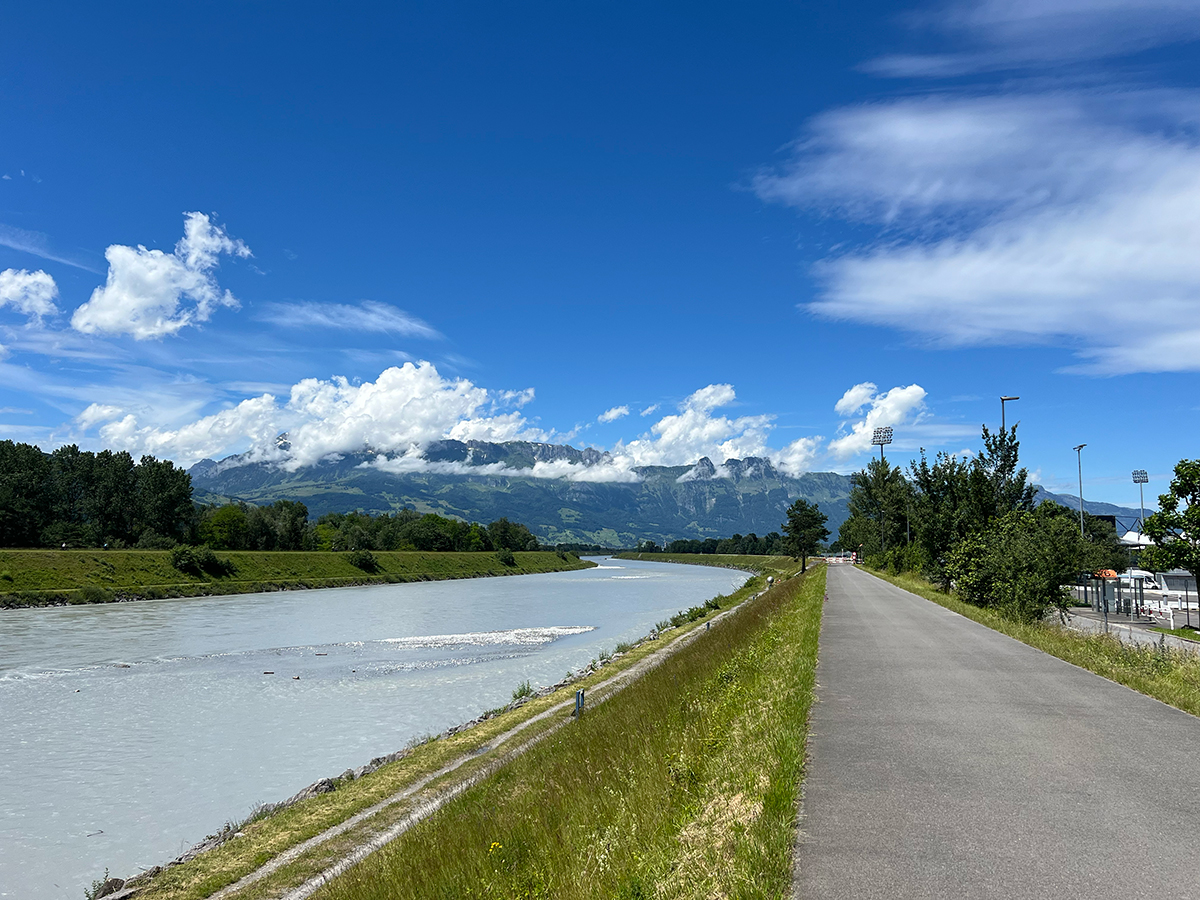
130 731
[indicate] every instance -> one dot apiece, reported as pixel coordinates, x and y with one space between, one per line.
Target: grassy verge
727 561
683 786
1169 675
50 577
1188 634
264 839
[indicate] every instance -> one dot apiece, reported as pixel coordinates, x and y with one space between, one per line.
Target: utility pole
1079 455
1004 400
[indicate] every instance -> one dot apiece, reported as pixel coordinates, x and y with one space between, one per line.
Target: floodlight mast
1079 455
881 436
1141 479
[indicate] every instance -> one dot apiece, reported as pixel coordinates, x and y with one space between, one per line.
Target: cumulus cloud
894 407
799 456
368 315
611 415
649 410
404 410
150 294
681 439
1031 219
31 293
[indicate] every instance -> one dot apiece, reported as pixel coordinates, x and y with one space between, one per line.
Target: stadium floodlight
1140 478
881 436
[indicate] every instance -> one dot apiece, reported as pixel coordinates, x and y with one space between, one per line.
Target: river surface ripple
130 731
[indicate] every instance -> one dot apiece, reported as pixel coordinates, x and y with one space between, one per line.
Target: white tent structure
1135 539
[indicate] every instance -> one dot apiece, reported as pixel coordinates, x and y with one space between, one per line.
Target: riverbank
757 658
724 561
58 577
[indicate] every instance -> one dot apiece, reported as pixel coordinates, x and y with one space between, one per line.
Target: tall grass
684 785
1167 674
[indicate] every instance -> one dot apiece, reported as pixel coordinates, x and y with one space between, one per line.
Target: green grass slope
49 577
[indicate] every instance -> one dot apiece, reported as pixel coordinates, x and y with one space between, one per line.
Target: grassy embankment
1169 675
750 563
684 786
724 724
48 577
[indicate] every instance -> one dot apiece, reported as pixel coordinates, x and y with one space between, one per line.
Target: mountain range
590 501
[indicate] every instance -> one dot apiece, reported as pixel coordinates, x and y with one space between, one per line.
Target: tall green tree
805 530
1175 528
879 509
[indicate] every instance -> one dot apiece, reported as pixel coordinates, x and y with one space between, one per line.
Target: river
130 731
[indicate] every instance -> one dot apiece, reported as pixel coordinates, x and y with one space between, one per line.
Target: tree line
742 545
77 498
971 525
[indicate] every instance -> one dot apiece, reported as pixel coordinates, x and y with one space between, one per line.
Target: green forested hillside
668 502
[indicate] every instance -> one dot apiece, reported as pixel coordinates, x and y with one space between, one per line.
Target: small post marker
579 696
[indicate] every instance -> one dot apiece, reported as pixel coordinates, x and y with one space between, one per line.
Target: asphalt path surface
948 760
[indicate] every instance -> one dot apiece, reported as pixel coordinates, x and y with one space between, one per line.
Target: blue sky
663 230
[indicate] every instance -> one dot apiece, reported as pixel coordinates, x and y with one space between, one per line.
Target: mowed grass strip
40 577
265 839
684 785
1165 673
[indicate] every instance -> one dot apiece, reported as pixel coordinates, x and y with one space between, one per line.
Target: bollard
579 695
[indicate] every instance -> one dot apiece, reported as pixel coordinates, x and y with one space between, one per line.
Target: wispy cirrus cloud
37 244
1015 214
369 315
993 35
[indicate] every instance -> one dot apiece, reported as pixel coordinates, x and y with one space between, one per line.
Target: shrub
93 594
506 556
524 689
200 561
363 559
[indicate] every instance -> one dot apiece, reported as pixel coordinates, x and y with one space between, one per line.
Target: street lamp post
1004 400
1140 478
881 437
1079 454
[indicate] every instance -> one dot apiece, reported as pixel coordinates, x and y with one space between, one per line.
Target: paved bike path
948 760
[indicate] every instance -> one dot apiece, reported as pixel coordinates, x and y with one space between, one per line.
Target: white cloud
611 415
649 410
35 243
798 457
677 440
368 315
150 294
402 411
898 406
1063 218
31 293
1007 34
855 399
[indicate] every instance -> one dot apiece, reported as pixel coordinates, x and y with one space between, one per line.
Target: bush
524 689
152 540
506 556
93 594
363 559
200 561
